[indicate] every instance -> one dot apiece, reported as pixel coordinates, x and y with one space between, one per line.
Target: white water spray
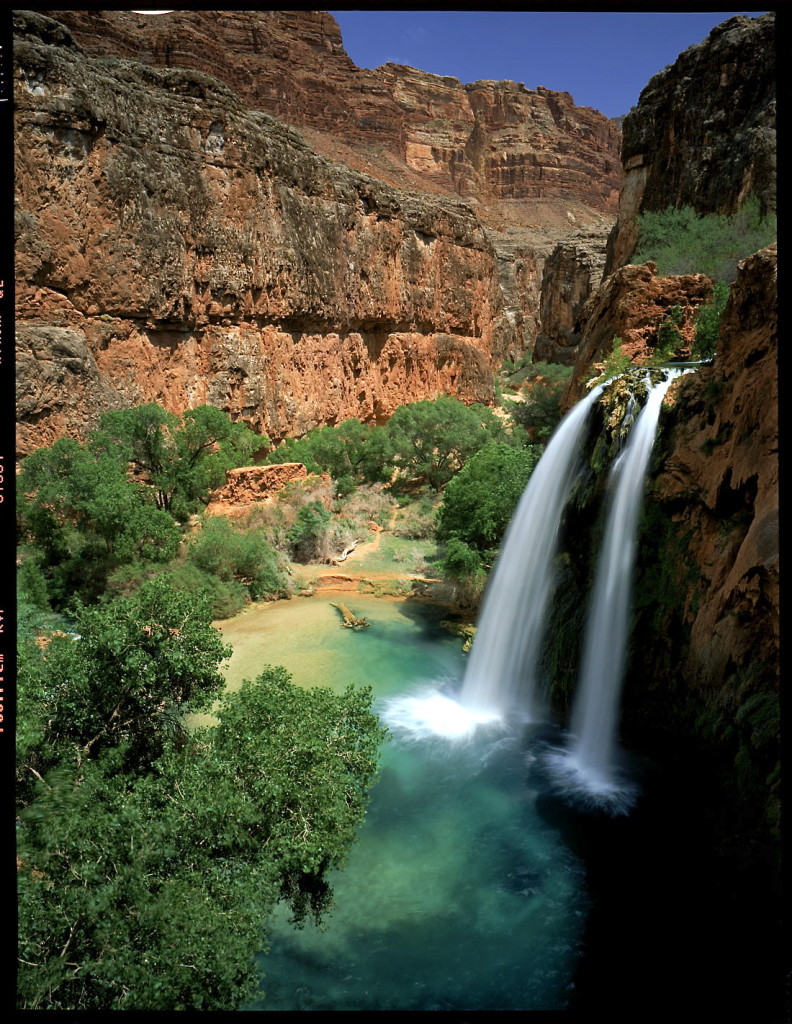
505 652
588 766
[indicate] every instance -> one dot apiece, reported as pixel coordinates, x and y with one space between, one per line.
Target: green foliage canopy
82 517
225 552
150 859
432 440
185 458
480 501
352 453
137 665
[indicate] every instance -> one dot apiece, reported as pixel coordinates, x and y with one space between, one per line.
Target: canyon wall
703 133
172 245
704 668
708 586
490 141
177 243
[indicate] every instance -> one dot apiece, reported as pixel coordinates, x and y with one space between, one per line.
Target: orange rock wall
251 485
720 483
175 246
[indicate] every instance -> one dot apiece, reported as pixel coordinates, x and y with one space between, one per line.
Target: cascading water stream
503 659
588 766
502 666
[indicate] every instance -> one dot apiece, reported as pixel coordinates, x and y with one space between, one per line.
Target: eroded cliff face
703 133
535 166
174 246
720 478
702 682
710 655
490 141
572 271
632 305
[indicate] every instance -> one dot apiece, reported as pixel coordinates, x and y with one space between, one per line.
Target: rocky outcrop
703 133
708 581
174 246
720 479
251 485
571 273
632 305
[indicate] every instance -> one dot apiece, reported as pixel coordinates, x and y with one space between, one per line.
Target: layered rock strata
534 165
174 246
491 141
704 131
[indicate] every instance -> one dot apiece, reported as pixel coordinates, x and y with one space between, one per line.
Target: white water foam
427 713
587 788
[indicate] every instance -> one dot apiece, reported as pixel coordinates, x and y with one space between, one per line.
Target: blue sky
604 58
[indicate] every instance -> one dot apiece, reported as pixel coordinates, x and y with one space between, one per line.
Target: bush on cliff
708 318
680 241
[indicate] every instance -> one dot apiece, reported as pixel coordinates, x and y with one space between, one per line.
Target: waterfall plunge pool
458 894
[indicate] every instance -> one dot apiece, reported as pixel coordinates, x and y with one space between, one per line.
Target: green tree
81 517
184 458
134 668
221 550
152 890
480 501
352 453
307 534
432 440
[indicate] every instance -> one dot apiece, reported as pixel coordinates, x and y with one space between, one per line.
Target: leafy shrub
479 502
708 319
368 503
230 554
416 520
307 535
680 241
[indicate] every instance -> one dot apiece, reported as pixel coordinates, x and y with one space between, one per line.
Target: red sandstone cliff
491 141
174 246
719 481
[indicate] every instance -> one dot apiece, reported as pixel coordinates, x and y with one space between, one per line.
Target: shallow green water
457 895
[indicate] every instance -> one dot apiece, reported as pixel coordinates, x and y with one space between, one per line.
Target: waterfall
502 667
588 765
